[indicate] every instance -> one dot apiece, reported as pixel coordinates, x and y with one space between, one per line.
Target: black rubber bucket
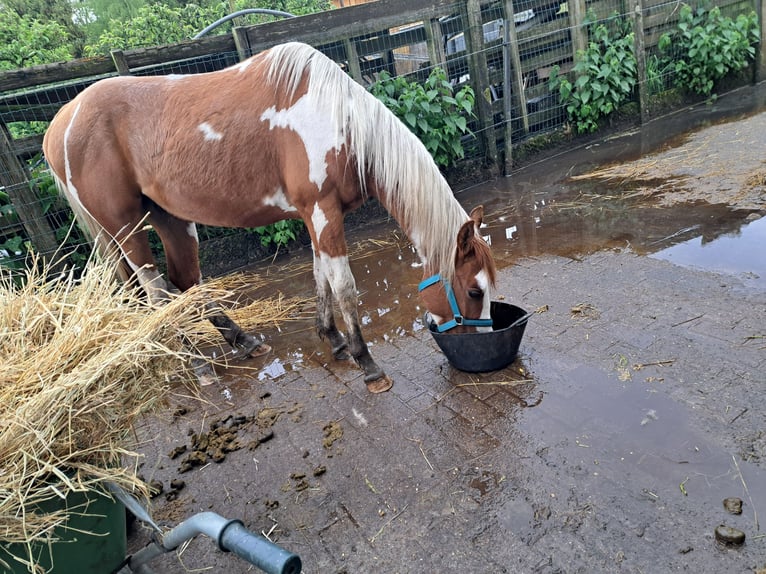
490 351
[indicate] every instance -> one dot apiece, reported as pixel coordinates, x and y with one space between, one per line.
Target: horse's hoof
204 373
340 353
378 385
249 346
207 379
260 350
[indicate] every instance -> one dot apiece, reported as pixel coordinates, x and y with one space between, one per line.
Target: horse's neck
432 229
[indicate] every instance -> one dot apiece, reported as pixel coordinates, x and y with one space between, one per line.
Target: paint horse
283 134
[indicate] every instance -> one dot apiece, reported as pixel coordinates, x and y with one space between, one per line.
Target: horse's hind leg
179 238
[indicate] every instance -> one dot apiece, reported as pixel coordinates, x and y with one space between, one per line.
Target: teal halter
457 318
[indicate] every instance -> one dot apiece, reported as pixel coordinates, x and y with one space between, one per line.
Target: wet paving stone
579 469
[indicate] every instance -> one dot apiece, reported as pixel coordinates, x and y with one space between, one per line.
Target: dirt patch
718 164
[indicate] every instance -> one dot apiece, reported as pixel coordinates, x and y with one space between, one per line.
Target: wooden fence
507 66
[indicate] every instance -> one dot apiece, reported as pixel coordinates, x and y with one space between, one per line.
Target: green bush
605 75
707 46
280 233
433 111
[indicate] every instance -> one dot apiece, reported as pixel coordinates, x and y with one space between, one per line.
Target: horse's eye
475 293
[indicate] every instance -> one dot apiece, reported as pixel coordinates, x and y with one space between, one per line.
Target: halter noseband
457 318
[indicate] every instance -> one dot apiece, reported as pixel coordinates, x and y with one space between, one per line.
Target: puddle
738 253
630 444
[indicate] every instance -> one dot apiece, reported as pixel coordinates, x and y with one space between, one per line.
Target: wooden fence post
120 62
474 43
513 84
436 56
760 54
640 52
14 178
242 43
577 26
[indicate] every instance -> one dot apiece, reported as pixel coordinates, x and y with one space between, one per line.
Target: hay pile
79 361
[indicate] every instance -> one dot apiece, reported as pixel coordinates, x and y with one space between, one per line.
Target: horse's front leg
325 320
336 272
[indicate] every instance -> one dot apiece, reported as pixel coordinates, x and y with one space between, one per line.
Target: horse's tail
104 244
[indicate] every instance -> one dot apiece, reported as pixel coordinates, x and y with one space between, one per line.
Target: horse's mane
414 190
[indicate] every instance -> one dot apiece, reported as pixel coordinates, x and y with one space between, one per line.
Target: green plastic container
94 541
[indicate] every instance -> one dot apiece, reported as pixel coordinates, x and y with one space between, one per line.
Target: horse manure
195 458
268 416
223 437
733 505
176 485
155 488
177 451
299 483
332 432
264 437
729 536
320 470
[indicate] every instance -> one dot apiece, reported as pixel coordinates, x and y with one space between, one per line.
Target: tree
166 23
45 12
26 41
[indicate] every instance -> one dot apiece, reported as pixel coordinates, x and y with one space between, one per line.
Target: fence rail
507 66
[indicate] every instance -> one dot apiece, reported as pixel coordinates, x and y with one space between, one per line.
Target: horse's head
462 304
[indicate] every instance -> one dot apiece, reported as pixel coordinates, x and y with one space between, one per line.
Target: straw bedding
80 360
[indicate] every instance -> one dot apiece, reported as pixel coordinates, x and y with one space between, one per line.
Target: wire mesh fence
526 77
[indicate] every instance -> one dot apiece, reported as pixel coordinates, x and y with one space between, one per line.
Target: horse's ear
465 239
468 230
477 214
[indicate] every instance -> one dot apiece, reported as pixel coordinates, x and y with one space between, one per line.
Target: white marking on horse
150 280
438 319
315 128
241 67
339 275
483 281
208 131
191 229
318 220
176 77
415 237
67 167
279 199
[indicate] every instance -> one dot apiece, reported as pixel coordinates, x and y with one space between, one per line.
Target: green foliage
658 74
26 41
280 233
73 242
707 46
152 24
432 111
605 75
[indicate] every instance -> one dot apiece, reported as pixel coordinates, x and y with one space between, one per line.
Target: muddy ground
635 408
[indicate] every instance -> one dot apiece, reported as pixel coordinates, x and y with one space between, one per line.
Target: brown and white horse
284 134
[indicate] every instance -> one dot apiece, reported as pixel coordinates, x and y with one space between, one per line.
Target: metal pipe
232 536
244 12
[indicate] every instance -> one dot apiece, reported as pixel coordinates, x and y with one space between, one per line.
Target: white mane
413 189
